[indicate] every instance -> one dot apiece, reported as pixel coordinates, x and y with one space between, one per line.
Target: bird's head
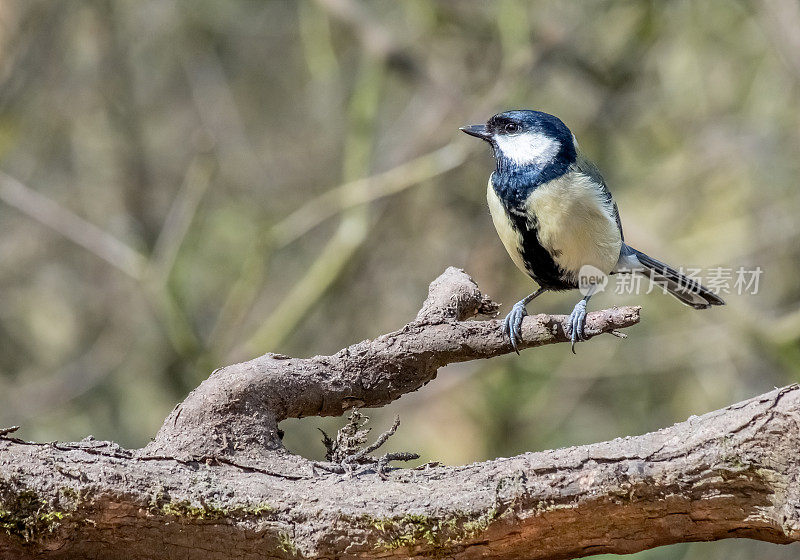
527 138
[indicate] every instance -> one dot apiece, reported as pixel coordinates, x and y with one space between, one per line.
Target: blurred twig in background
368 189
54 216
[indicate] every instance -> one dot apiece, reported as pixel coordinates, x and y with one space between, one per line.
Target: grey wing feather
585 166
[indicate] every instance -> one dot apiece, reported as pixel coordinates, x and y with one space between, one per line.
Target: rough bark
235 412
217 482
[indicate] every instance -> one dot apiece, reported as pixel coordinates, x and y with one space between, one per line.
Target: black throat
513 184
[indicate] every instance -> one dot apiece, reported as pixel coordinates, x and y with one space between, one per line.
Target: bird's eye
511 127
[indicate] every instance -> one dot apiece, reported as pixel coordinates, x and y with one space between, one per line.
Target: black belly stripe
538 260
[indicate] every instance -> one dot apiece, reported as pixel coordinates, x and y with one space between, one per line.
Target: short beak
477 130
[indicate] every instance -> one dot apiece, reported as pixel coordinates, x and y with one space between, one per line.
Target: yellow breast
511 239
575 223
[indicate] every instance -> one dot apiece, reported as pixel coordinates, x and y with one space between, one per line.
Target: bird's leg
577 321
512 324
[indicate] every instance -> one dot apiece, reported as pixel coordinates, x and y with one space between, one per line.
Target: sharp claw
575 325
512 326
582 324
573 335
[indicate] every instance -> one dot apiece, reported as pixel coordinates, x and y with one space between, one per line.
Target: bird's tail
687 290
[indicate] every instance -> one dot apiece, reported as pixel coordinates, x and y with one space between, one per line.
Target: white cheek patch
528 148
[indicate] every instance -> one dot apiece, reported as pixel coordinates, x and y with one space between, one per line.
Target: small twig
328 443
5 431
343 453
383 438
383 462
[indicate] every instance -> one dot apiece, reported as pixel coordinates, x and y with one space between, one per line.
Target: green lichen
70 494
259 510
160 504
438 535
185 509
477 526
286 545
23 514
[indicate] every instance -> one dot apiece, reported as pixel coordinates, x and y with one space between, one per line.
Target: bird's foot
512 324
575 324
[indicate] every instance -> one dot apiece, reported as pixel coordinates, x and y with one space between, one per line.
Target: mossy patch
161 504
287 546
434 533
27 516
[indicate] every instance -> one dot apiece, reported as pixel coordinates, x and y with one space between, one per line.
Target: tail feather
687 290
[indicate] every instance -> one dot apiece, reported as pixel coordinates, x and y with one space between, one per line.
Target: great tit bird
555 216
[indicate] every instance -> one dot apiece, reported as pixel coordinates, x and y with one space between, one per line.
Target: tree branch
235 412
216 479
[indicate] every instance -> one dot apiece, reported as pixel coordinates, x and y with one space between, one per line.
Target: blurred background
186 184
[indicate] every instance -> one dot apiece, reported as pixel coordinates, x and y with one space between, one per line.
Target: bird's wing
585 166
